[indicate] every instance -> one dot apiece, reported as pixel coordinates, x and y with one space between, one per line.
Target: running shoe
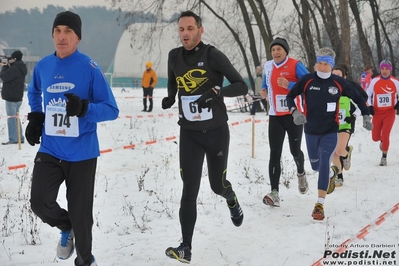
65 246
236 213
383 161
302 183
347 162
318 212
272 199
339 182
182 253
331 186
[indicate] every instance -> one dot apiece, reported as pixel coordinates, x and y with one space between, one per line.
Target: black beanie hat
17 55
70 19
282 42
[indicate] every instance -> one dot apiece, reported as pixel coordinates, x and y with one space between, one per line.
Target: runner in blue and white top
68 96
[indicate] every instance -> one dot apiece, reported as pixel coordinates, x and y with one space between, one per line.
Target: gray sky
10 5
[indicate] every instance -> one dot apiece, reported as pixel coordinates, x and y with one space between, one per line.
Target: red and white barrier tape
363 232
132 146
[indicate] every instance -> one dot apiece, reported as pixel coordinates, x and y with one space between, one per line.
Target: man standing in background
13 73
148 83
257 97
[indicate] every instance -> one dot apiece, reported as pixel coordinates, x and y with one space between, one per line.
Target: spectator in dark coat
13 73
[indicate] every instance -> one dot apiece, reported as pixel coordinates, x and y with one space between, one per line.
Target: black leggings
278 126
48 175
194 145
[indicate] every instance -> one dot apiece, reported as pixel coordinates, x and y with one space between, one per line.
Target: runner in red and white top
383 100
280 75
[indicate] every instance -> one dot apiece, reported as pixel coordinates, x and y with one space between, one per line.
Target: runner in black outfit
195 72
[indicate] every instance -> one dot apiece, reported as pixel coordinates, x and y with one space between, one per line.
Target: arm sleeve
361 91
220 63
8 73
35 98
154 79
102 105
264 85
368 80
348 89
296 90
172 85
370 91
300 70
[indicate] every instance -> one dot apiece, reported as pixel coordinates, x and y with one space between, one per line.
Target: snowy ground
138 192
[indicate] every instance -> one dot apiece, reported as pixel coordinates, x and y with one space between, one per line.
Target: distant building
129 61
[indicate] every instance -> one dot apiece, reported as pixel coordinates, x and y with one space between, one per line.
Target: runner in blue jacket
68 96
321 91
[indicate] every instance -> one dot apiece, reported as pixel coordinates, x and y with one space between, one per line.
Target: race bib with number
281 103
384 100
342 116
190 109
57 123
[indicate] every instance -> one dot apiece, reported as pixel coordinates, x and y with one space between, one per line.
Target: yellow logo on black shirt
192 80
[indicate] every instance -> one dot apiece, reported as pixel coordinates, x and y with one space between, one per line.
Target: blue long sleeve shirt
64 137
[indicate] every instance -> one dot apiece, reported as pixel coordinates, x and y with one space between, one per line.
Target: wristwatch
217 88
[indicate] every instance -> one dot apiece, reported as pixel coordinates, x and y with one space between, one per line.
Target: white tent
134 49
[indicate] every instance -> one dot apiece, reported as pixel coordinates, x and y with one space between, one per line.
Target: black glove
350 119
206 100
396 106
75 106
167 102
371 110
33 130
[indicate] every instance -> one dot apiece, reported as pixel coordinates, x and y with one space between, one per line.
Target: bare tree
345 44
251 38
374 11
377 24
304 23
316 23
265 25
328 16
364 45
262 22
241 34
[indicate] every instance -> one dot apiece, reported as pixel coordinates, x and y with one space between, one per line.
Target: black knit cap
17 55
282 42
70 19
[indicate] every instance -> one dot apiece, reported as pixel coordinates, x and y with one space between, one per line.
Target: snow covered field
138 190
